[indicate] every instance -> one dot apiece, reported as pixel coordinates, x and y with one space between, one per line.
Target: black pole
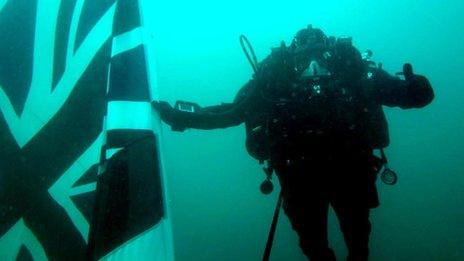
272 230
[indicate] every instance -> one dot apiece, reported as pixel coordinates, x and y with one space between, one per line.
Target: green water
218 212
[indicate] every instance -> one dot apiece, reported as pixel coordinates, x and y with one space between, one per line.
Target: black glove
418 86
169 115
164 109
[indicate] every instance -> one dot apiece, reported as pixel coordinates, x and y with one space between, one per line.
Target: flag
80 169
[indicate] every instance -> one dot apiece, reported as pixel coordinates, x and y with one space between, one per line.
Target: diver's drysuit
318 136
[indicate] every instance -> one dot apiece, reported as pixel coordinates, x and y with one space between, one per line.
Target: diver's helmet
309 40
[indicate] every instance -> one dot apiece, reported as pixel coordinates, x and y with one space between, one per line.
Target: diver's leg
306 205
309 219
353 196
355 225
351 203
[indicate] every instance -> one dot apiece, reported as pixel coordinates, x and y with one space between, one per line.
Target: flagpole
149 45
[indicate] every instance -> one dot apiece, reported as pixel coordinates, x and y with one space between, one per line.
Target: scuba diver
313 114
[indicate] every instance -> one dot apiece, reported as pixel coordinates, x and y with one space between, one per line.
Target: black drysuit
320 147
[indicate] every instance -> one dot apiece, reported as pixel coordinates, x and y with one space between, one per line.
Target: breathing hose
252 59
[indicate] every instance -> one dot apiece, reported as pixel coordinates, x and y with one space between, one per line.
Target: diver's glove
419 86
169 115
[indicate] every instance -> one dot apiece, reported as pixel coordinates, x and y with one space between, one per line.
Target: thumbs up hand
418 85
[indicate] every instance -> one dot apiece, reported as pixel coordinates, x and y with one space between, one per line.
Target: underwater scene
231 130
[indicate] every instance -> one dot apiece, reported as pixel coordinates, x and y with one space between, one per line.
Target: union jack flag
80 170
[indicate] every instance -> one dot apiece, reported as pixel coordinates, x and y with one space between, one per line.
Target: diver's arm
212 117
413 92
220 116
